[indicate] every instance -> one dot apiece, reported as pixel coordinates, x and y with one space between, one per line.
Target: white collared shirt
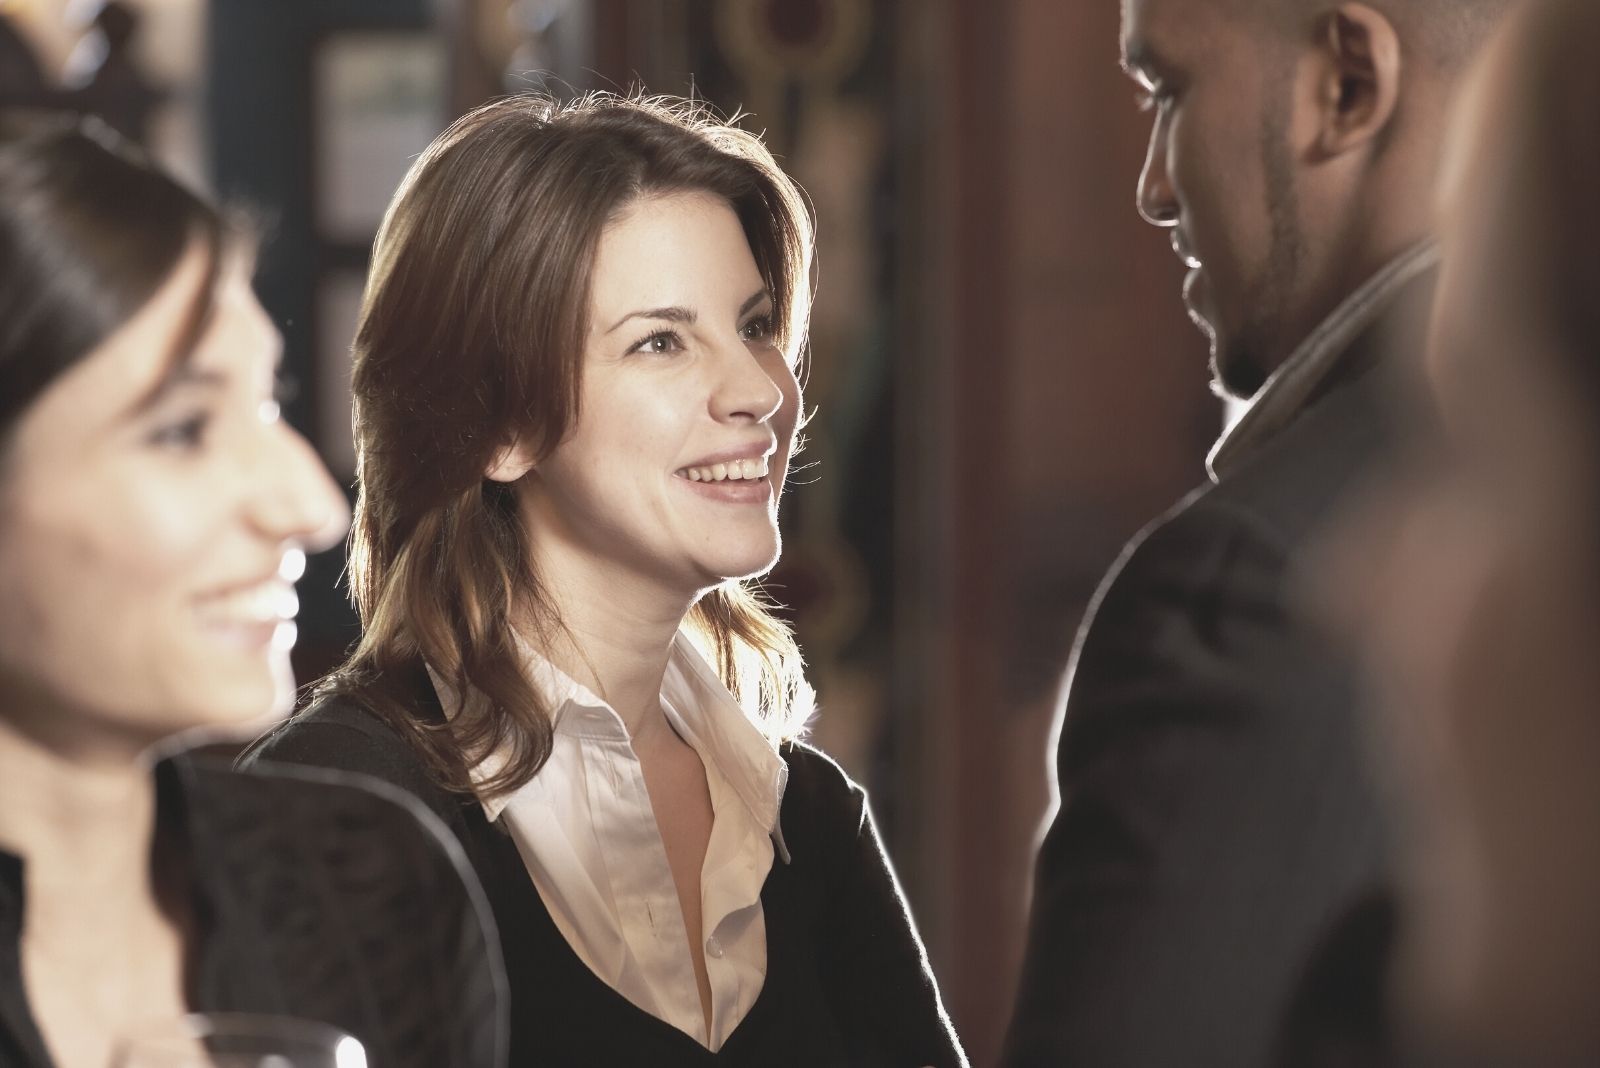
587 833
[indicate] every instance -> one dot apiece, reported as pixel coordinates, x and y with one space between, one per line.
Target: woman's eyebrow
687 316
755 298
673 314
183 377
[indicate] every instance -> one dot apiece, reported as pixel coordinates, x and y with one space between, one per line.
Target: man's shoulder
1291 487
1227 550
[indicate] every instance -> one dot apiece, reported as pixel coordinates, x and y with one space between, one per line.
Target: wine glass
239 1040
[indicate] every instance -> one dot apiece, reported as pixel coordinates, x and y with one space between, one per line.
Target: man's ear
510 462
1359 83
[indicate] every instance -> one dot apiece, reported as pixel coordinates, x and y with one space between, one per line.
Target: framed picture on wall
379 97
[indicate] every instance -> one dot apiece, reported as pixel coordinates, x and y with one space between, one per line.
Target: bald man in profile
1218 816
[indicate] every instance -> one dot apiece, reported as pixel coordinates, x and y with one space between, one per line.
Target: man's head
1293 151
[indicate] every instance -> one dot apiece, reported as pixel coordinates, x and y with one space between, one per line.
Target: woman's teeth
266 602
734 471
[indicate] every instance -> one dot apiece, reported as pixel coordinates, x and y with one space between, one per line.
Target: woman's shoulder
275 808
819 792
342 733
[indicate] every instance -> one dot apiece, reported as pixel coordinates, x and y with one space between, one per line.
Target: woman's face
1485 620
152 522
688 411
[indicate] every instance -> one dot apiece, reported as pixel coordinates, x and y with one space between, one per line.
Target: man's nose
1156 201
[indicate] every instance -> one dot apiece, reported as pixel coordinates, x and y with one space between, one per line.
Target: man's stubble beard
1242 363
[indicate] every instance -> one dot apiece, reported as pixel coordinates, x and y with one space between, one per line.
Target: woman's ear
510 462
1359 84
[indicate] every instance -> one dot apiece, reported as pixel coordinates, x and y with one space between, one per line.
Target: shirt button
714 948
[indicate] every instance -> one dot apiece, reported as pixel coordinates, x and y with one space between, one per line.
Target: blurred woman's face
152 522
1487 627
688 411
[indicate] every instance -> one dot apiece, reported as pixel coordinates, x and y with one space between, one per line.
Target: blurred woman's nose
744 390
293 497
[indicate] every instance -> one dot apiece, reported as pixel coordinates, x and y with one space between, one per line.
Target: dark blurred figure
1217 811
103 75
1477 593
101 78
22 80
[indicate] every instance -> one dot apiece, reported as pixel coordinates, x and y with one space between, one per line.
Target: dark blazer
1218 811
847 979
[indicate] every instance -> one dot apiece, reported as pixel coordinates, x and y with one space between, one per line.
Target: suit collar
1312 367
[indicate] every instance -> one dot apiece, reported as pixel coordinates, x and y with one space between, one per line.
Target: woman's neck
99 954
616 636
82 825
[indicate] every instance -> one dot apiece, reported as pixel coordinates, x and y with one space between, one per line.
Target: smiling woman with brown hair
154 513
576 402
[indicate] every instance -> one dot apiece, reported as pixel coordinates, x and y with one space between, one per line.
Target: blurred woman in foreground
154 513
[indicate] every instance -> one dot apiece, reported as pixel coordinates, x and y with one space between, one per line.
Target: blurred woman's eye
659 343
186 434
758 329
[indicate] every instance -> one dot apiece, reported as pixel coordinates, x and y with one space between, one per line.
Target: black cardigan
299 878
847 981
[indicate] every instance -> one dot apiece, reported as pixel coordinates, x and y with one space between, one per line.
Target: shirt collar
696 702
1290 388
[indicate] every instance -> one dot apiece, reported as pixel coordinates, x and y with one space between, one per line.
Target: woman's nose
744 389
293 497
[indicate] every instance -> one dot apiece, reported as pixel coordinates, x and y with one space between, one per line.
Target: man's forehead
1153 30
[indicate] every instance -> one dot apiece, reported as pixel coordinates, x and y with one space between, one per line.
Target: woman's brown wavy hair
472 333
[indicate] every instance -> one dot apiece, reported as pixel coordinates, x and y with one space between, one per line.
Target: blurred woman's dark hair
472 335
90 229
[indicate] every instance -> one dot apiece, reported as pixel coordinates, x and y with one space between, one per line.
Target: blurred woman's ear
510 462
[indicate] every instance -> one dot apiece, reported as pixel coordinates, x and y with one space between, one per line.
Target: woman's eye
758 329
659 343
184 434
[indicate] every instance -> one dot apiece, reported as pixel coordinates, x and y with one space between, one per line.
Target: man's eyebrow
673 314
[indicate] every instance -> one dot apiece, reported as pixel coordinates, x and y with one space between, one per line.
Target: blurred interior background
1006 386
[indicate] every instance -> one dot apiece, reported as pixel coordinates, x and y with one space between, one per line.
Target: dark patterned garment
317 895
847 982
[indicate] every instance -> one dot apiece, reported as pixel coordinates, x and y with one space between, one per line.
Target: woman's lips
730 490
732 478
735 468
257 615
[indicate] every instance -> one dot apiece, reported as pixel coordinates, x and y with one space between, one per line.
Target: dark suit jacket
1217 808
